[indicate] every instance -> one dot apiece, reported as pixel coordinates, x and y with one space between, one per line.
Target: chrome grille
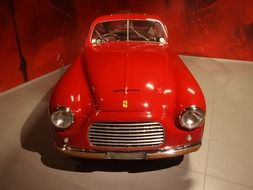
126 134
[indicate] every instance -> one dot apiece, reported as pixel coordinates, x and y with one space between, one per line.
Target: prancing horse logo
125 104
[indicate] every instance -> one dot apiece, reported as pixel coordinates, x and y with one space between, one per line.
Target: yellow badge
125 104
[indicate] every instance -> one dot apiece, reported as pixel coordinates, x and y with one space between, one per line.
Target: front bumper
137 155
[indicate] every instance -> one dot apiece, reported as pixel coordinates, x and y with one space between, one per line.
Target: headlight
62 117
191 118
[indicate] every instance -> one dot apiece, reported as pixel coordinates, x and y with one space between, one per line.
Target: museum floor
224 162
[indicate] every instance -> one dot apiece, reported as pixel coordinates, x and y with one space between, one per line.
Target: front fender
73 91
189 92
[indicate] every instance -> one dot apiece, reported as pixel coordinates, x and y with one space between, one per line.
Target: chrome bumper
139 155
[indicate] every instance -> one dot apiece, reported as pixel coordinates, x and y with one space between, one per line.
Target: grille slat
126 134
123 138
128 144
129 141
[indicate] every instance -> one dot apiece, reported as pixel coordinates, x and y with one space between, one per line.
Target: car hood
131 76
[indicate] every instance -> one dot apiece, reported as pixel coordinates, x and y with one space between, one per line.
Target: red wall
51 32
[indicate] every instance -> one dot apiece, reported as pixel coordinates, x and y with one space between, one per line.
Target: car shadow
37 135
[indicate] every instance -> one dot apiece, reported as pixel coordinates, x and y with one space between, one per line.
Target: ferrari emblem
125 104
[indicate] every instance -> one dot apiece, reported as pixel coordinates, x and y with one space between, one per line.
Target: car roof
126 16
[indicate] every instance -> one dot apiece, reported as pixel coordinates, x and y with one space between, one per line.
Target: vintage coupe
127 96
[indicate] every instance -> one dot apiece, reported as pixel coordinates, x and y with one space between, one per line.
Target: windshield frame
163 27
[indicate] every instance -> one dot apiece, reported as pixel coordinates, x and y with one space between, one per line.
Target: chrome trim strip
135 155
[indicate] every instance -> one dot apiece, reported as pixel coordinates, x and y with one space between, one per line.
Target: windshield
128 30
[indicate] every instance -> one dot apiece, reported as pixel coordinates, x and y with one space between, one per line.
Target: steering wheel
110 37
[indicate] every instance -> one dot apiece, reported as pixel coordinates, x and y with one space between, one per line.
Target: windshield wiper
139 34
100 36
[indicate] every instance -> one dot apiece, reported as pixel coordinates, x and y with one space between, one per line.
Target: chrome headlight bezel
62 117
196 117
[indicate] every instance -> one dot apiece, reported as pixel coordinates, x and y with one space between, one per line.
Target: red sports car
127 96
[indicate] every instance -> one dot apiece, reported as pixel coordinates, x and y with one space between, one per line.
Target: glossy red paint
153 79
